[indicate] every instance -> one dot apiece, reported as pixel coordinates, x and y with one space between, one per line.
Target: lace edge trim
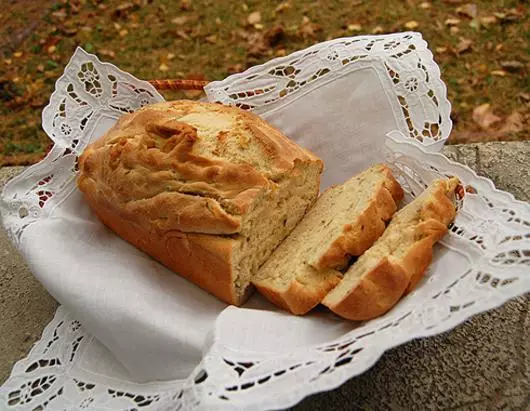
416 37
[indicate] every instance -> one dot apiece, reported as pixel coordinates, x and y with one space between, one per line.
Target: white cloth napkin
156 323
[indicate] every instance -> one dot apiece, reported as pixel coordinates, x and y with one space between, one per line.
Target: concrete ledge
482 364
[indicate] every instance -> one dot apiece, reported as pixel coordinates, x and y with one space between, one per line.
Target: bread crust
298 298
375 293
195 257
358 237
380 288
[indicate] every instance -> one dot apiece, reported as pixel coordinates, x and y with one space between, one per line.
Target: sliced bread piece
397 261
344 222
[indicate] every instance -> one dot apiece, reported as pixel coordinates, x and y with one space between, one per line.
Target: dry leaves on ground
464 45
308 29
484 117
254 18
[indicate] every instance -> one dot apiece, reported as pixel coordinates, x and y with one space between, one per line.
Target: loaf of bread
345 221
208 190
397 261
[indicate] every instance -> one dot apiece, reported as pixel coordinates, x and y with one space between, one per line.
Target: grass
210 39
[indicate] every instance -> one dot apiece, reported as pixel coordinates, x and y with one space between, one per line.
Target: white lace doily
482 262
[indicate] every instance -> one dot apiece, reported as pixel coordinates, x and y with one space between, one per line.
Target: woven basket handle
179 84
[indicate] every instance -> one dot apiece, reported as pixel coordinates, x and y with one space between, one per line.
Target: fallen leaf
40 68
60 15
259 26
441 49
163 67
482 68
185 4
51 49
513 123
182 34
499 73
17 54
454 30
475 24
524 96
239 33
68 31
512 65
123 10
180 20
274 35
234 68
257 45
170 56
484 117
254 18
464 45
218 21
123 32
8 61
425 5
499 47
452 21
354 27
212 39
282 6
411 25
509 16
487 20
468 10
378 30
308 29
280 53
107 53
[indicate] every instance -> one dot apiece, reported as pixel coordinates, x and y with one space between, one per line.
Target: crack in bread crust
397 261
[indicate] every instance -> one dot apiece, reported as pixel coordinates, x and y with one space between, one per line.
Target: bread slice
397 261
208 190
344 222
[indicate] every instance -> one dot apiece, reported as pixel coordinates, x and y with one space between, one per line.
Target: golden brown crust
155 159
358 237
193 256
298 298
380 288
378 291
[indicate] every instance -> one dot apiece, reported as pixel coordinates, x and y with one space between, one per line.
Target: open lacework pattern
88 92
491 233
420 101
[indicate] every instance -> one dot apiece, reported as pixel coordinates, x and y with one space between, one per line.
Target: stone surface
25 306
481 364
507 164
